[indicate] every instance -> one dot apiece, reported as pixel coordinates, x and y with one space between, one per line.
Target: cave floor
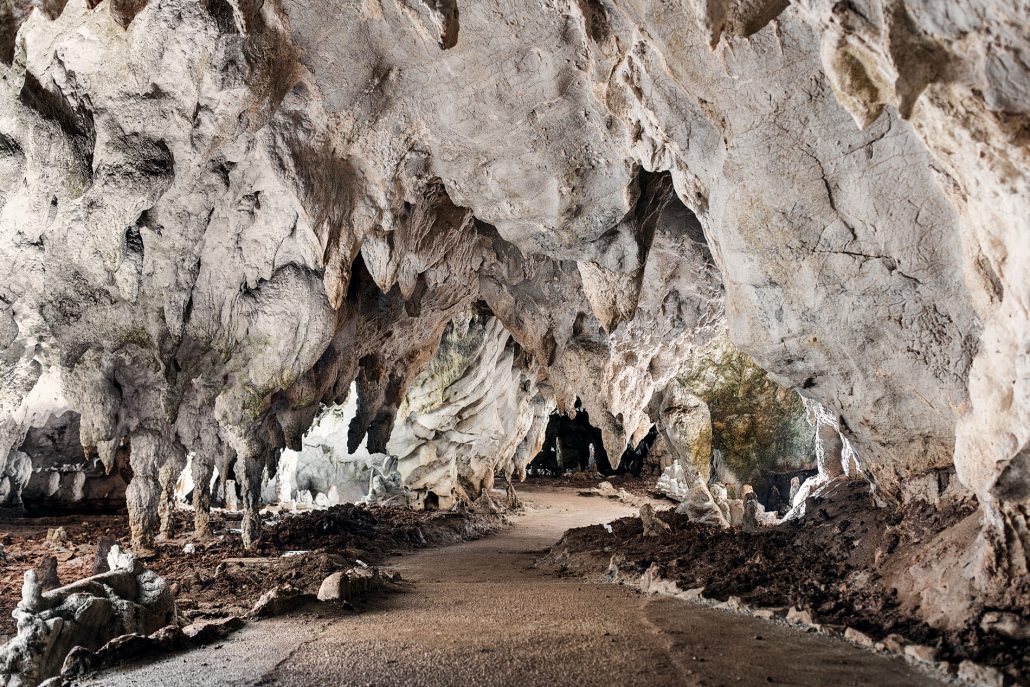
480 614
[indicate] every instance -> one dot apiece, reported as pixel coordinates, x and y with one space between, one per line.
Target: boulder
278 600
210 631
653 525
346 585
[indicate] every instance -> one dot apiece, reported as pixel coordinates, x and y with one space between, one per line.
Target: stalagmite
144 492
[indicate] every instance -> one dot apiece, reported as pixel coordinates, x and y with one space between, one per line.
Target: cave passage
487 613
572 443
297 294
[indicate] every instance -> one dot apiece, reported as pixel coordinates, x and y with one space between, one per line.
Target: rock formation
475 410
86 614
218 216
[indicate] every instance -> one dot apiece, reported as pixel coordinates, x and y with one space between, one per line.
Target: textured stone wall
218 215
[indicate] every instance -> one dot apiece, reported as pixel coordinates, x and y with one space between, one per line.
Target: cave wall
62 479
757 426
474 412
219 215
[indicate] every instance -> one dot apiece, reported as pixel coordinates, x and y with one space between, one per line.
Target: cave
572 444
430 341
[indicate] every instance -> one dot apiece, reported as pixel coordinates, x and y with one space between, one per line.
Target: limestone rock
653 525
476 404
1008 624
801 617
921 653
207 632
212 231
88 613
674 482
980 676
278 600
687 486
347 585
857 637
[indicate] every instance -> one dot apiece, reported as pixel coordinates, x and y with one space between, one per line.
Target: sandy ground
480 614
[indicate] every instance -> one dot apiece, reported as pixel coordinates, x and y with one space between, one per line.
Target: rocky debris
801 616
675 482
130 648
687 486
819 569
206 632
46 573
654 581
57 538
128 599
857 637
278 600
1008 624
755 515
606 489
484 505
200 263
702 507
653 525
124 649
100 561
921 653
980 676
386 487
208 588
354 583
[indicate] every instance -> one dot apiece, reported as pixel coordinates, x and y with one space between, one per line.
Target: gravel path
479 614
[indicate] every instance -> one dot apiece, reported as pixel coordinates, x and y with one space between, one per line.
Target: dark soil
638 486
810 564
222 578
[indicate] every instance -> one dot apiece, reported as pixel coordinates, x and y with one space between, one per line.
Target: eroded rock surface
128 599
218 216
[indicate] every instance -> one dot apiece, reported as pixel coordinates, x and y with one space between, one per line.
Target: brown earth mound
221 578
831 562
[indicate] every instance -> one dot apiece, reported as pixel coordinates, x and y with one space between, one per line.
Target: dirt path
480 615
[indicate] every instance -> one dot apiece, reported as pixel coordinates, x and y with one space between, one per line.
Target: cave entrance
432 501
60 479
573 444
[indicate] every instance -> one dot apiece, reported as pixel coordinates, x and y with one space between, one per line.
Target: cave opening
573 444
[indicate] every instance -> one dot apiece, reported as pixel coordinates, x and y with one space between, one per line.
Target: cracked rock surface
217 217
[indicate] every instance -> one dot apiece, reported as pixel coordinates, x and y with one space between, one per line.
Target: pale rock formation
349 584
475 407
386 486
653 525
278 600
674 482
686 485
323 464
686 429
218 216
702 507
756 425
87 613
